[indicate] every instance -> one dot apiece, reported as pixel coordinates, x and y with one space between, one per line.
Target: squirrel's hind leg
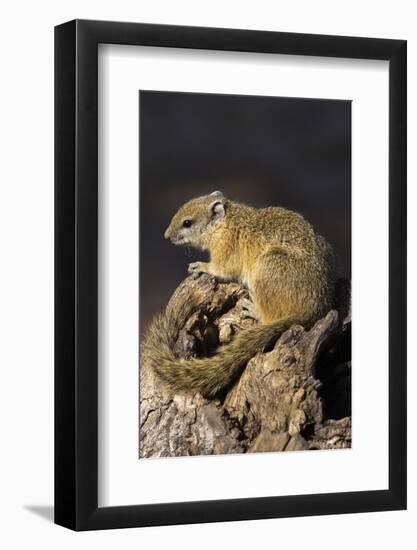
249 310
274 287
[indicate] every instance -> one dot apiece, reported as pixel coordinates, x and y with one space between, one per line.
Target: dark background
262 151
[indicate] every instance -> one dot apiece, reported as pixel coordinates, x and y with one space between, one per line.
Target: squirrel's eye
187 223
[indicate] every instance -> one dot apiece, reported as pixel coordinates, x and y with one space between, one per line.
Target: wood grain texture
294 396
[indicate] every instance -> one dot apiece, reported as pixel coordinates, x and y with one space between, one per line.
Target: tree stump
294 396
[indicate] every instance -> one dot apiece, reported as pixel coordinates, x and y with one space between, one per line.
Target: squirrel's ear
216 194
216 210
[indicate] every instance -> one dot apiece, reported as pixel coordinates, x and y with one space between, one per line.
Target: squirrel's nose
166 234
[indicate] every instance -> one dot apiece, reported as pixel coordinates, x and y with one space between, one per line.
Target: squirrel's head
196 219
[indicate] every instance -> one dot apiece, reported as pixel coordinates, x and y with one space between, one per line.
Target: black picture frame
76 271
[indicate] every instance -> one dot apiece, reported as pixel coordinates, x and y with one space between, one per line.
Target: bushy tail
205 375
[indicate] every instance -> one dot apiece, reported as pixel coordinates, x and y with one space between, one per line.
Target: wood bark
294 396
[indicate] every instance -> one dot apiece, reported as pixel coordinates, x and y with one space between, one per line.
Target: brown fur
275 252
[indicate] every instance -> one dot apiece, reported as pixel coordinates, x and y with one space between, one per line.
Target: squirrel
274 252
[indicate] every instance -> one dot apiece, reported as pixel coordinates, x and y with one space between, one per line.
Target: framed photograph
230 255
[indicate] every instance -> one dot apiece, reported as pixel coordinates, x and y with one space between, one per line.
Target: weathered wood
277 403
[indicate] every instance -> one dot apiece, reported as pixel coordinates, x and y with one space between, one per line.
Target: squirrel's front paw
196 268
